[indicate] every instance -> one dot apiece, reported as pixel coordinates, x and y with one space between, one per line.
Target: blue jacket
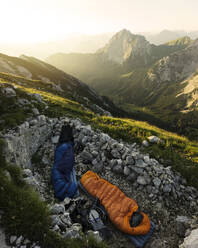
62 170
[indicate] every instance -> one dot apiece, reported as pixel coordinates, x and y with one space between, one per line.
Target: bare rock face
9 92
21 145
2 240
191 241
177 66
125 45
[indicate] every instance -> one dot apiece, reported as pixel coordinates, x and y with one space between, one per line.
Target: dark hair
66 134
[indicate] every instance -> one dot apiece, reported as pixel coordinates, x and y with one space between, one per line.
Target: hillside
57 81
157 176
146 80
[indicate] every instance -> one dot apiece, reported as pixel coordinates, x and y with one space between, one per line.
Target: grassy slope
176 151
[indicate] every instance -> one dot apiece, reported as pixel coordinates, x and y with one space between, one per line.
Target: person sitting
63 173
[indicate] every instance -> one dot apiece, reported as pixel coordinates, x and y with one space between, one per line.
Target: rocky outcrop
24 142
191 241
177 66
2 240
125 45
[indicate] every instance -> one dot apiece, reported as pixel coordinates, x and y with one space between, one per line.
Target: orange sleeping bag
118 206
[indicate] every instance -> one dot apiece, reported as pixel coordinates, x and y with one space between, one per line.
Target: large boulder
153 139
191 241
2 240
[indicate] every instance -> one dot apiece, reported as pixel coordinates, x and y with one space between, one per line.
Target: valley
132 71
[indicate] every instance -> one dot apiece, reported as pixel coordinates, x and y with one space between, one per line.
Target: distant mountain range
167 35
81 43
74 43
136 74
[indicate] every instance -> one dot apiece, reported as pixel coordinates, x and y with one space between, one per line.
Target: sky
23 21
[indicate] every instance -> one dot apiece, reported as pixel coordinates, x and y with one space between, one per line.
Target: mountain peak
123 45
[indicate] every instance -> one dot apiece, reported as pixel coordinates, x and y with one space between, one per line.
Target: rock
33 122
66 219
8 176
13 239
56 228
140 163
58 209
67 201
167 188
23 101
112 163
26 241
72 232
19 240
119 147
146 159
86 156
126 171
137 170
3 240
41 119
55 139
9 92
118 169
115 153
191 241
119 162
55 220
94 153
98 167
104 147
182 223
27 173
130 160
38 97
145 143
35 111
147 178
32 182
104 138
158 243
132 177
153 139
77 227
141 180
156 182
95 235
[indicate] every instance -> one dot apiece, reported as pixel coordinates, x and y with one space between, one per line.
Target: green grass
182 153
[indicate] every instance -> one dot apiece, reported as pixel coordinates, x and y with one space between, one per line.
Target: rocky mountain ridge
179 65
125 50
167 35
124 45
